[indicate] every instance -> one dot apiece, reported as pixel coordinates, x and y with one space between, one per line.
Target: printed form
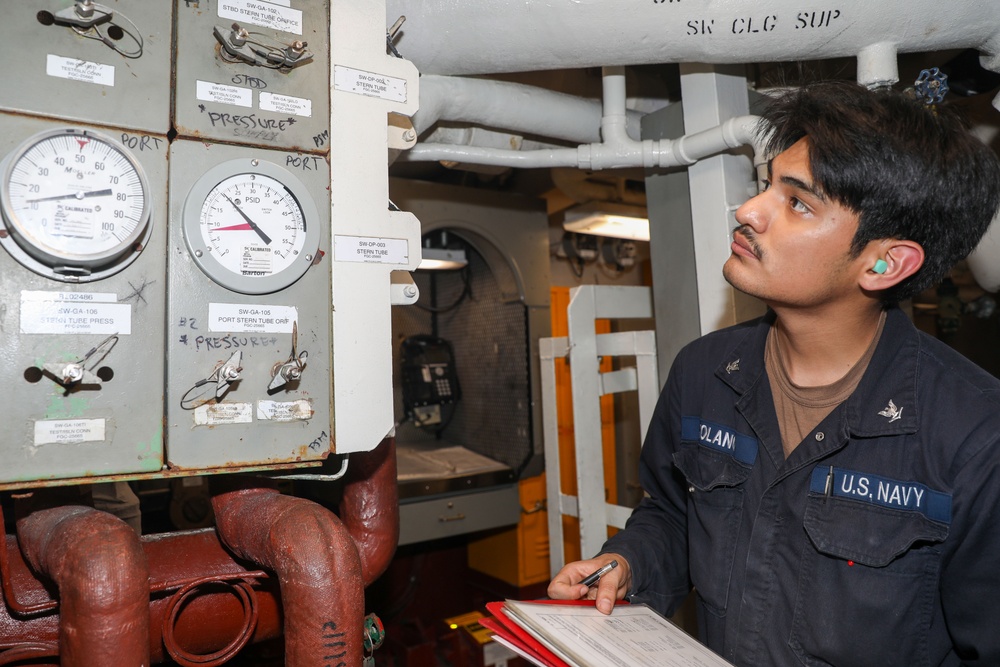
632 636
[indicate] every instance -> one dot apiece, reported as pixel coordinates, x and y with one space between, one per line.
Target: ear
903 258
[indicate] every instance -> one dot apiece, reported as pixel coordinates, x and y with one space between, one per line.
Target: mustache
746 231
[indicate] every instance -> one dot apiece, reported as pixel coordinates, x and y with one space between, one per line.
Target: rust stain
171 472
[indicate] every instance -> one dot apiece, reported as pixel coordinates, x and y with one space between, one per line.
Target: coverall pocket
715 508
867 585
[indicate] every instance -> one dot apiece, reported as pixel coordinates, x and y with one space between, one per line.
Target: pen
593 578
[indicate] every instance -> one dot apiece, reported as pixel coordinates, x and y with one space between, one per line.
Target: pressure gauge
251 226
75 205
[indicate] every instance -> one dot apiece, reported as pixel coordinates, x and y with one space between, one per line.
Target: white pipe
512 106
877 65
490 36
686 150
616 151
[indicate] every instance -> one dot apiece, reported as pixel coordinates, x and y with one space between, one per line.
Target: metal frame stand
583 347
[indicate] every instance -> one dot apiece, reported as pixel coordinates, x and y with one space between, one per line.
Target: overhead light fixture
442 259
607 219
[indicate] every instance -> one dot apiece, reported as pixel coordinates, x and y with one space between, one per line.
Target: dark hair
906 169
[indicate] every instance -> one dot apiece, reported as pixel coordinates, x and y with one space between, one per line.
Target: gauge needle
232 228
263 237
73 195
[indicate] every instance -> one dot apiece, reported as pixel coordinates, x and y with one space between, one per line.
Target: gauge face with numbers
251 226
75 204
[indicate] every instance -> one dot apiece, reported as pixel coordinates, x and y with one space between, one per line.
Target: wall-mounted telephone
429 379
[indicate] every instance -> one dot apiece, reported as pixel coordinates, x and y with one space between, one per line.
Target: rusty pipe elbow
316 562
98 565
370 507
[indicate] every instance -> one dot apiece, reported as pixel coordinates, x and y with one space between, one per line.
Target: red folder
519 639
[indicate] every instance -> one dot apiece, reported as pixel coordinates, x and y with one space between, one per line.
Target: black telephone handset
429 376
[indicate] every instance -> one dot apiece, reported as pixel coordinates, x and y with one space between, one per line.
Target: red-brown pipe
207 623
97 563
315 559
370 507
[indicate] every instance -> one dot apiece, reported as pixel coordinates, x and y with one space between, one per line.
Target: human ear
890 262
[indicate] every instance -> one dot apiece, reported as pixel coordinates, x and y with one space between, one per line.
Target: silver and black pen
594 577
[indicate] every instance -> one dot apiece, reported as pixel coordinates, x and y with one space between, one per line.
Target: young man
827 478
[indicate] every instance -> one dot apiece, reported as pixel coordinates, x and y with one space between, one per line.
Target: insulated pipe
448 37
511 106
97 563
616 151
370 507
315 559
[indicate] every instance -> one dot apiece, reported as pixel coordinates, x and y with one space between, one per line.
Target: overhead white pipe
491 36
616 151
512 106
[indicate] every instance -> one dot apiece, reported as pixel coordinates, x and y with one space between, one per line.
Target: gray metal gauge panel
248 336
82 359
111 67
254 73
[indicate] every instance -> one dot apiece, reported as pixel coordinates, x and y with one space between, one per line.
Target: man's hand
612 586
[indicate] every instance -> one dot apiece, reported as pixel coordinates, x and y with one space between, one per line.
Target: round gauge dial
75 203
251 226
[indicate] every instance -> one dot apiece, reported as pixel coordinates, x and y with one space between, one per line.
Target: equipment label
297 106
264 14
223 413
74 313
285 411
358 81
217 92
251 318
79 70
68 431
369 249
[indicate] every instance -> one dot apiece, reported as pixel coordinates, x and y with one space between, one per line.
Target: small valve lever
73 373
256 49
68 374
223 375
84 14
86 17
228 373
291 370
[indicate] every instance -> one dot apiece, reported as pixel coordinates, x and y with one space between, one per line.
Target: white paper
285 411
47 313
79 70
371 84
297 106
370 249
515 649
206 91
632 636
250 318
88 297
215 414
68 431
264 14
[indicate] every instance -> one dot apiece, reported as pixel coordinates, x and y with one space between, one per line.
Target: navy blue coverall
877 542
